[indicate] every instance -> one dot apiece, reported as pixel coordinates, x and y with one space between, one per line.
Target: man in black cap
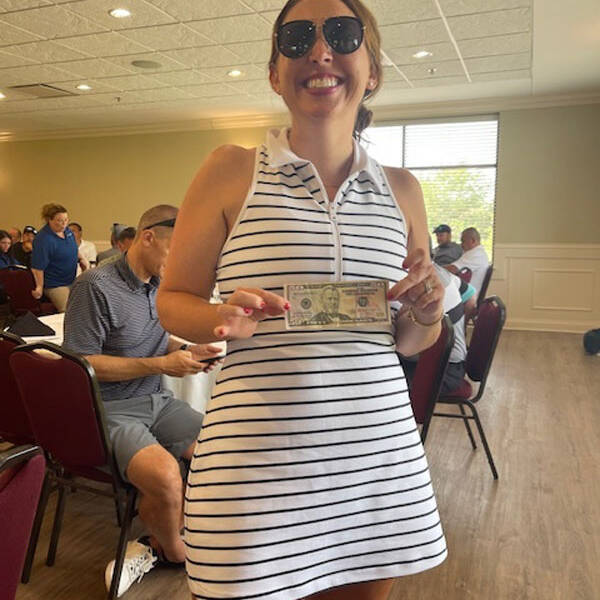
446 251
21 251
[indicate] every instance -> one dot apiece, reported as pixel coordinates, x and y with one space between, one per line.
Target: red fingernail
287 306
248 311
390 295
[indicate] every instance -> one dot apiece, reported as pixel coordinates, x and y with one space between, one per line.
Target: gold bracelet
412 317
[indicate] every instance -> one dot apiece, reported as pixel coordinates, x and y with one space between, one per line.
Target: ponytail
363 120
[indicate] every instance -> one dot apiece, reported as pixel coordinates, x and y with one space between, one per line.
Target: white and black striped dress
309 472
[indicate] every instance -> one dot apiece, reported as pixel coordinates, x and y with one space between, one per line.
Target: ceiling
481 49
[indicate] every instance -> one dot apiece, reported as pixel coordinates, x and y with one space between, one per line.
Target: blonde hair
49 211
372 42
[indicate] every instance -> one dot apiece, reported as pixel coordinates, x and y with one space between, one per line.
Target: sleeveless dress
309 471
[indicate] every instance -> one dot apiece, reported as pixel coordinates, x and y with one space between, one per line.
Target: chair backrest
18 283
22 471
14 422
465 274
62 399
431 368
486 333
484 285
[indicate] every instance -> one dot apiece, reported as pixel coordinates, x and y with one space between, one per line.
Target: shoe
140 558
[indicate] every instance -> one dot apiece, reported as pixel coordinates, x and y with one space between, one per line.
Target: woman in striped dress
308 478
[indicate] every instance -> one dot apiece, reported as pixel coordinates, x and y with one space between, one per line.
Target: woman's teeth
322 82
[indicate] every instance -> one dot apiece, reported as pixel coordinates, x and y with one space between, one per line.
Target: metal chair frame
470 402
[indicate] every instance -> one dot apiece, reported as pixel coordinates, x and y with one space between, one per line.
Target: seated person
124 241
86 249
15 234
6 258
459 297
111 320
446 251
22 250
474 258
115 230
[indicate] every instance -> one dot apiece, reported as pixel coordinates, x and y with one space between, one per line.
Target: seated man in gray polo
111 320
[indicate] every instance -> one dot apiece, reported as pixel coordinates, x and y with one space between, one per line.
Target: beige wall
549 176
105 179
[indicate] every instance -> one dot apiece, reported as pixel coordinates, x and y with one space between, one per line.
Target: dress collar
280 154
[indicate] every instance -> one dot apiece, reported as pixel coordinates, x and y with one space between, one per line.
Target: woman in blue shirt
55 257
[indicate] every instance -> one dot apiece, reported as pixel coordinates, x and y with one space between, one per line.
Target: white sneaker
139 559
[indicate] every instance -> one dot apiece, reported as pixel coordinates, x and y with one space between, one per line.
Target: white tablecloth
193 389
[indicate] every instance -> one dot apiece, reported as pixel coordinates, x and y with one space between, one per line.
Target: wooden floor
534 534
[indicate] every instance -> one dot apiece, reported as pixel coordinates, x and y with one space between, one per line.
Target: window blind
456 164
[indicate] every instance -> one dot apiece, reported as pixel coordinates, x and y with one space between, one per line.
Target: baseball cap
30 229
442 229
117 229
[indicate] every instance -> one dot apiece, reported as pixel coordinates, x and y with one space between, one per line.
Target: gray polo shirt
448 253
110 311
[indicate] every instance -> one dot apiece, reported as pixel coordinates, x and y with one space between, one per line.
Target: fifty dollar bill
339 304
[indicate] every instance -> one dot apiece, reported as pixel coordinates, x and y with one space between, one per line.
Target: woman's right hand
37 293
244 309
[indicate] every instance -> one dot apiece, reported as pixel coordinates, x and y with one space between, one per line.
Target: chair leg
35 530
58 519
122 546
118 508
483 439
466 422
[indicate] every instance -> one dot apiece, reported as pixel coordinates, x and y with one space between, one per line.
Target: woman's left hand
421 288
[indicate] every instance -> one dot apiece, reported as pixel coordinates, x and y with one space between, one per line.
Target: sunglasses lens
295 39
343 34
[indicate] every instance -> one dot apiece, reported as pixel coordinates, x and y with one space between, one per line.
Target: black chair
480 354
68 422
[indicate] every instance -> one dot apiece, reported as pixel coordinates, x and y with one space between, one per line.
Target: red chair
465 274
62 400
14 422
429 374
480 354
21 474
18 283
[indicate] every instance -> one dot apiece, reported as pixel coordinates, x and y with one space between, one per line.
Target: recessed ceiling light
146 64
2 96
234 73
119 13
422 54
84 87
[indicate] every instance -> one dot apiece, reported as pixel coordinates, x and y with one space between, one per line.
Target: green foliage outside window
460 198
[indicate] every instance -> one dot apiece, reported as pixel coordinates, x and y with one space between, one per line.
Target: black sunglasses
165 223
343 34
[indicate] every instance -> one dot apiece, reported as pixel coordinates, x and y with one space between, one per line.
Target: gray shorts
138 422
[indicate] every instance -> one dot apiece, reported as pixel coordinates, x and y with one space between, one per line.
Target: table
193 389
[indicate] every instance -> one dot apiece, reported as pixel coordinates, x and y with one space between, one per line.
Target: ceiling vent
41 90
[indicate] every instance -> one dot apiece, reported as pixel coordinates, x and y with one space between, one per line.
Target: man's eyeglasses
165 223
343 34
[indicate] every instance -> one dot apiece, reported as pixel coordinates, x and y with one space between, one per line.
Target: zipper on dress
337 240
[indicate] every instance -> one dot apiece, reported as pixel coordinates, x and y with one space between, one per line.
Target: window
456 164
